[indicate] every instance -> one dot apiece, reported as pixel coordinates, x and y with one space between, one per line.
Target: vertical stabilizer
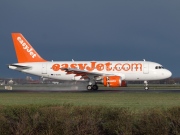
24 51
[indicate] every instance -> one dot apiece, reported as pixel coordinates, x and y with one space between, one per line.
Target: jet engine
114 81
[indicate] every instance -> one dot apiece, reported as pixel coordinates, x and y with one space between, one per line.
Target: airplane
108 73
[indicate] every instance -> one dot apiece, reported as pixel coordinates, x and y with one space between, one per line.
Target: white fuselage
128 70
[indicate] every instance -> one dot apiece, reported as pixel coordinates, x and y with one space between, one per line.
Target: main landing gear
92 84
92 87
146 85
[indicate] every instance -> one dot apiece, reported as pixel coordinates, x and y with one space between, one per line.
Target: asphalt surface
98 91
82 88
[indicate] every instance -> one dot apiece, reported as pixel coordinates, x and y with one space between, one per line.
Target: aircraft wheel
89 87
95 87
146 85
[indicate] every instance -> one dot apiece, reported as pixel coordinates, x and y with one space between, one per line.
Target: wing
85 74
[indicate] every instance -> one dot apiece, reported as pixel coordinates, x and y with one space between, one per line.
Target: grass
134 101
119 111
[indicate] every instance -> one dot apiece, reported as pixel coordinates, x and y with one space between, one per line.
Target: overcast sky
93 30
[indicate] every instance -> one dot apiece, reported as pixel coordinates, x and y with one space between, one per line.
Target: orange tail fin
24 51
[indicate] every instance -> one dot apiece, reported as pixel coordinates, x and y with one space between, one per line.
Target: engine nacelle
113 81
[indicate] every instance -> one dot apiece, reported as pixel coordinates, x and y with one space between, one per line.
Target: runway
82 89
85 91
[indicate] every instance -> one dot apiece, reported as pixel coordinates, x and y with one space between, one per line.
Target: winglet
24 51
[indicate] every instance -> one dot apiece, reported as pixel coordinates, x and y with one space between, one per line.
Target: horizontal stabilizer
19 66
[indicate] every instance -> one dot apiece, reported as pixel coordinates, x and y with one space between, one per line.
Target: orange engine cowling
113 81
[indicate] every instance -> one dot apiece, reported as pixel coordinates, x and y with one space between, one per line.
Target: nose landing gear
146 85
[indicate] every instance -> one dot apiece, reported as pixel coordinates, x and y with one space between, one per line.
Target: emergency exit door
145 68
44 68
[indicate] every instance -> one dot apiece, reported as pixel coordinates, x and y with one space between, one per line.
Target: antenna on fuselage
144 60
72 60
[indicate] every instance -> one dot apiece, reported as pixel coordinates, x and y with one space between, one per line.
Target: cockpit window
159 67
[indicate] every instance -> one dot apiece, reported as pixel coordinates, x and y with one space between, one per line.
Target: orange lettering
118 67
126 68
100 67
92 66
136 66
73 65
108 68
64 65
82 66
56 67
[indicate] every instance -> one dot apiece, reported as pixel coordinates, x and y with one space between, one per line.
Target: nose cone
168 74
